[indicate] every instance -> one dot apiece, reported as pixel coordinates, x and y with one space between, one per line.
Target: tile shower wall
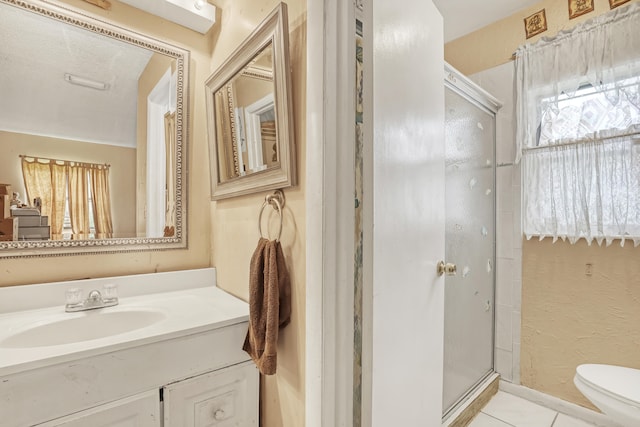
498 81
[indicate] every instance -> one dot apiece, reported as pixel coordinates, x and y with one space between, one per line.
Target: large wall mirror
249 114
93 123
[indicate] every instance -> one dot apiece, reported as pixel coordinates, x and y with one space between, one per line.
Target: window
582 179
590 113
578 130
75 196
67 229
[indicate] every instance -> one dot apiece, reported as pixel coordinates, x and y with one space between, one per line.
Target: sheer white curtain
578 129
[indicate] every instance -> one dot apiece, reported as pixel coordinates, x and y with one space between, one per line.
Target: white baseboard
557 404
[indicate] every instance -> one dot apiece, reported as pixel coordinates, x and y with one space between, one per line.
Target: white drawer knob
218 415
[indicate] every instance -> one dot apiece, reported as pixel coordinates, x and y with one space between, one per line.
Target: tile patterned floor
507 410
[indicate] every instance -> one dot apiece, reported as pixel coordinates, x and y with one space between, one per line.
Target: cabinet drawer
141 410
224 398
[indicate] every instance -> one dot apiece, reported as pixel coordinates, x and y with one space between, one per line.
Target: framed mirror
249 114
93 132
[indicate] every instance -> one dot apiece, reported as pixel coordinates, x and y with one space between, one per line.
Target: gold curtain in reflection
48 182
101 201
78 201
54 181
170 187
58 190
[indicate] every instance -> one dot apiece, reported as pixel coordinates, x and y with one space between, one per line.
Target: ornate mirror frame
69 16
272 31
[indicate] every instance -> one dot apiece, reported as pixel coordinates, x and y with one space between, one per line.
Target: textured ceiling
35 54
462 17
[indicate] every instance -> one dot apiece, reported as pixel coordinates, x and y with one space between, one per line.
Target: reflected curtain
47 181
101 201
78 201
269 142
58 189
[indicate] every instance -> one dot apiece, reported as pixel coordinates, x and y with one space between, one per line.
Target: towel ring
277 200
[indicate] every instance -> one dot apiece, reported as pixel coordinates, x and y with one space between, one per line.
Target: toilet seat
618 382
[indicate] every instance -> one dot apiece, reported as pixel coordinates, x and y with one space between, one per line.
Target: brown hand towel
269 304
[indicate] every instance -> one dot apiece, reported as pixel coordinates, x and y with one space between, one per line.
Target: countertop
186 311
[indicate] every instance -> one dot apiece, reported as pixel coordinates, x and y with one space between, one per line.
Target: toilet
615 390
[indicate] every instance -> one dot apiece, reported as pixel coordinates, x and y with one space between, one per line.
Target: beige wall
121 175
234 232
494 44
570 318
250 90
24 271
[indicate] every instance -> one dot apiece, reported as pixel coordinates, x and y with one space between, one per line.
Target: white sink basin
84 326
35 332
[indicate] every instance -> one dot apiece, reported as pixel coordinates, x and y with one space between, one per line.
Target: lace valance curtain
578 124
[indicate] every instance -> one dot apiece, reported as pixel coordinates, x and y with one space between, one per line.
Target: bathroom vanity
169 354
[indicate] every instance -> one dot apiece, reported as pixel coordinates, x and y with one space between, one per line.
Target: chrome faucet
93 300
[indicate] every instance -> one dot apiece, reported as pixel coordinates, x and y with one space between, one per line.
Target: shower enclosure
469 236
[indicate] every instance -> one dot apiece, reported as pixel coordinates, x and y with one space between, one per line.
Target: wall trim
329 213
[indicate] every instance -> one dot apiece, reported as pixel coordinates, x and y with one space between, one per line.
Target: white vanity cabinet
224 398
185 369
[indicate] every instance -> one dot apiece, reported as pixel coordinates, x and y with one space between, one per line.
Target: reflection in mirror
249 114
92 135
245 120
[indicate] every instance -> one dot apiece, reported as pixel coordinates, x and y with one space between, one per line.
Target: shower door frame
455 81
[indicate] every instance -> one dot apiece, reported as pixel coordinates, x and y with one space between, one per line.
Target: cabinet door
141 410
224 398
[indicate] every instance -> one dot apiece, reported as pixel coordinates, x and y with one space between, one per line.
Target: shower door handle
448 269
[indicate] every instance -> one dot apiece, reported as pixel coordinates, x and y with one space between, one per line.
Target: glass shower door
470 244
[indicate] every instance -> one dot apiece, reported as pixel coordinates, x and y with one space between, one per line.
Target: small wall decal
580 7
615 3
535 24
